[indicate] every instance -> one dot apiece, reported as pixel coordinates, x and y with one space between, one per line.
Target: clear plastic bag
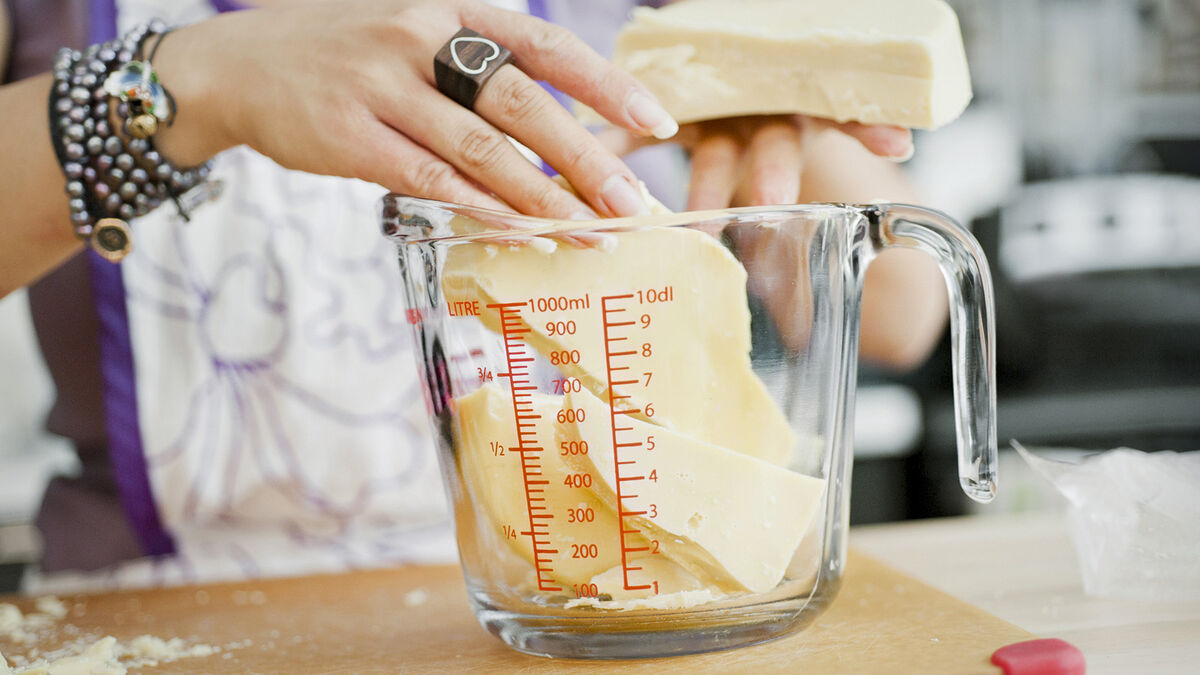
1134 519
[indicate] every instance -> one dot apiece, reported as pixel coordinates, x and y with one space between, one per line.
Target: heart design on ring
483 64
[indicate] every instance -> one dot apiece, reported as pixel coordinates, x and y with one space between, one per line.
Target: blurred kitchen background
1077 166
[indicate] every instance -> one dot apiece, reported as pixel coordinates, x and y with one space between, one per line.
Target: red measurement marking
530 453
474 353
626 527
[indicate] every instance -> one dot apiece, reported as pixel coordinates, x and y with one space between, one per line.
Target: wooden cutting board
416 620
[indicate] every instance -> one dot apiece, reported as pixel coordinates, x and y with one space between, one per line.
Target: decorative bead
113 202
77 114
150 190
63 105
142 126
75 188
76 204
139 176
64 122
75 151
107 54
73 169
75 132
91 50
89 174
128 191
80 95
126 211
100 109
116 174
89 80
80 218
163 172
113 145
151 158
98 66
89 125
141 203
138 146
104 163
95 145
103 128
122 109
111 239
61 88
124 161
101 190
125 55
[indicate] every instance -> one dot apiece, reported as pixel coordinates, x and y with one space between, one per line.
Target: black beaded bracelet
112 179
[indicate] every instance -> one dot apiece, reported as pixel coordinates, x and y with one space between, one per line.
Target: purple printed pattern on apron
261 395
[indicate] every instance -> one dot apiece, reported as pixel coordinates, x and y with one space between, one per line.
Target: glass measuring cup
645 424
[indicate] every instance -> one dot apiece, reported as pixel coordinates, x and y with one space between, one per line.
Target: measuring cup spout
972 320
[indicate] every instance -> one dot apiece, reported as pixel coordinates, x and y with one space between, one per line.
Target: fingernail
622 197
651 116
905 156
603 241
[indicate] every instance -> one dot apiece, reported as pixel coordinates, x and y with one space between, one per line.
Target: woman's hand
347 88
759 160
751 161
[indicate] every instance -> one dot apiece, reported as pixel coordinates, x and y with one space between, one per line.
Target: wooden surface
416 620
1023 569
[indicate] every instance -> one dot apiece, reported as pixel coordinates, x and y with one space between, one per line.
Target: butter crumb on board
86 654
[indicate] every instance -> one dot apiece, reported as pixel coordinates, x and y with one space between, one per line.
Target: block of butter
895 62
721 515
687 294
492 473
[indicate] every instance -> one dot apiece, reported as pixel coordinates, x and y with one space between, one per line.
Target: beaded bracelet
111 178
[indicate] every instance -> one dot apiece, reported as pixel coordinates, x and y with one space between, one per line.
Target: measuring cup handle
972 320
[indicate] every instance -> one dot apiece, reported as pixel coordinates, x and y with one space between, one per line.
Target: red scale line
609 356
519 386
505 305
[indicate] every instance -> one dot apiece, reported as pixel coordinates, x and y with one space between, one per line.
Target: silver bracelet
114 178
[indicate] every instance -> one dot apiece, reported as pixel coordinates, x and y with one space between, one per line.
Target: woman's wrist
185 68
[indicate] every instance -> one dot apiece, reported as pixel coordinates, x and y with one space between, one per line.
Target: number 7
648 376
